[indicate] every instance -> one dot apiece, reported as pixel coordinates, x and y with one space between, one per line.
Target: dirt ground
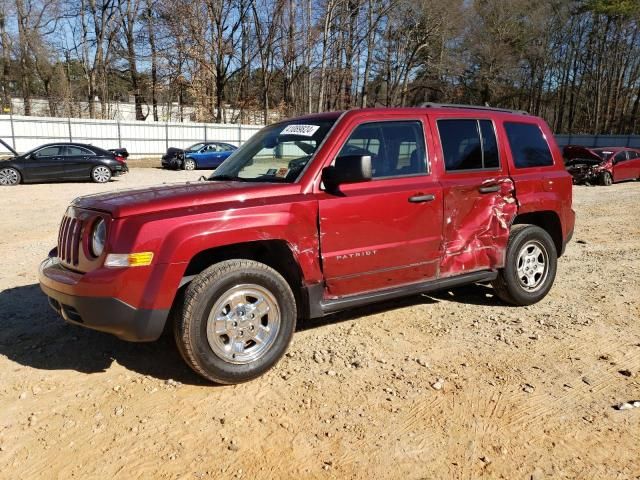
526 392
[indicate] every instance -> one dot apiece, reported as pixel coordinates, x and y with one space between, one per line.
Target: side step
352 301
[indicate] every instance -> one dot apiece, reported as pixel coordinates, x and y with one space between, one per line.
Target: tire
606 179
216 331
10 176
100 174
189 164
521 282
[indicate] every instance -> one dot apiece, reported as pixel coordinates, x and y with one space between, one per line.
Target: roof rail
473 107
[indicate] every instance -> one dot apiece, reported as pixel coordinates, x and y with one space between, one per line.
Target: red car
602 165
312 216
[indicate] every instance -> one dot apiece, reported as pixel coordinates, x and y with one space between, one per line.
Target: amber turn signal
139 259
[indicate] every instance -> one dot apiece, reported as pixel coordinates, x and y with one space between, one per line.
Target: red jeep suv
312 216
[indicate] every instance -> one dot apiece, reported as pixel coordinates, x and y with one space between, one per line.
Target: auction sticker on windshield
302 130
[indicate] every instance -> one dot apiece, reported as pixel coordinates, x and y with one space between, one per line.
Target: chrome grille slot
69 240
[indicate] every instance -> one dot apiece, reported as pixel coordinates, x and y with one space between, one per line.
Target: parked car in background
603 165
62 161
203 155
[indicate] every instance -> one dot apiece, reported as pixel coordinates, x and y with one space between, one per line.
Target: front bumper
171 162
106 314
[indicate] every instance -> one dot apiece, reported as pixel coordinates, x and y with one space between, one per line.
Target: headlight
98 237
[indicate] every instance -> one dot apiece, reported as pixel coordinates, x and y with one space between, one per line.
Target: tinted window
620 157
77 151
633 155
489 145
48 152
468 144
528 146
396 148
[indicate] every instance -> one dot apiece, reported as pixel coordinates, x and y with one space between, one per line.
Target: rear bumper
120 170
105 314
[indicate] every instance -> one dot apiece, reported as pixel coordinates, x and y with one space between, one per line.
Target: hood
173 152
571 152
8 147
125 203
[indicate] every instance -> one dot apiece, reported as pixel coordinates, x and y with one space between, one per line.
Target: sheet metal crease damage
478 238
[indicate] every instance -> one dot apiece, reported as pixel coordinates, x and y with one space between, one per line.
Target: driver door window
48 152
397 149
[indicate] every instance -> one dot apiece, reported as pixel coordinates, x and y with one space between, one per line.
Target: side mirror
347 169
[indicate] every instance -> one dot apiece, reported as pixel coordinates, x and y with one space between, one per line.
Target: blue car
203 155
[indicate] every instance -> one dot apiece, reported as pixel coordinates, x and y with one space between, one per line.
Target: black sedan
63 161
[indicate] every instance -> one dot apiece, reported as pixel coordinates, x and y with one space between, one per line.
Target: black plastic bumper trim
318 306
110 315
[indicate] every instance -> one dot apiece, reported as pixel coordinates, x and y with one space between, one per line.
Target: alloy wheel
243 324
532 264
9 176
101 174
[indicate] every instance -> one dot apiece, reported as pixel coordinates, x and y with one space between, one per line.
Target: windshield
603 154
195 148
277 153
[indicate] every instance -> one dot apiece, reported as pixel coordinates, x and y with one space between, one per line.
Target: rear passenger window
528 146
72 151
468 144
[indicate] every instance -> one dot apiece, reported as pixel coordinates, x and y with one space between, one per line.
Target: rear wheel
100 174
189 164
10 176
237 320
606 179
530 266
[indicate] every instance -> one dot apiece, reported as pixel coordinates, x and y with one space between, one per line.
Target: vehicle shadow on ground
474 294
33 335
359 312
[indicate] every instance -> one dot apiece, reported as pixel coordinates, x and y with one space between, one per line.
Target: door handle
489 189
421 198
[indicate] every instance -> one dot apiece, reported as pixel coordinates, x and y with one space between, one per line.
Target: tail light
121 159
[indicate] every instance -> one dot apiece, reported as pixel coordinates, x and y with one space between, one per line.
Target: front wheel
189 164
100 174
9 176
236 321
606 179
530 266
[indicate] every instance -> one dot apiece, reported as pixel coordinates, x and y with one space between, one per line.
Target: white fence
139 138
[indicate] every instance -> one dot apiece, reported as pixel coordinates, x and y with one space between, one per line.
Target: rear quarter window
528 145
